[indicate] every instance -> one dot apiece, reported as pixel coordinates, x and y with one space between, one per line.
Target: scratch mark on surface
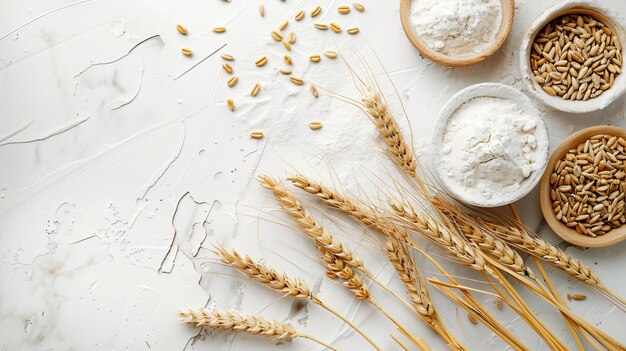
172 244
83 239
136 93
62 129
199 62
167 166
91 65
17 131
44 16
256 165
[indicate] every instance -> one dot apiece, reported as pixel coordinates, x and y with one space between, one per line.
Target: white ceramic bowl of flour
491 145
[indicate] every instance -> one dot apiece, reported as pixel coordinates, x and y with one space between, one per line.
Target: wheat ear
379 112
490 244
441 235
253 325
535 246
264 274
282 283
290 204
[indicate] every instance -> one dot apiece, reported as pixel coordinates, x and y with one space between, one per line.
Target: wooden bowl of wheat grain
568 234
508 11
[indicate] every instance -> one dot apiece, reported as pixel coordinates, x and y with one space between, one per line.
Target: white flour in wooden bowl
456 27
491 147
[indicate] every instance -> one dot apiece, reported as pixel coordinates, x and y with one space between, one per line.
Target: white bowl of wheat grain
556 99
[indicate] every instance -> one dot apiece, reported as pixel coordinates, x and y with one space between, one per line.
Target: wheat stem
399 342
319 302
483 316
570 325
312 338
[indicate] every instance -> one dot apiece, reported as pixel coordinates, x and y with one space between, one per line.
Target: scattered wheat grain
231 104
261 61
228 68
181 29
315 125
255 89
316 11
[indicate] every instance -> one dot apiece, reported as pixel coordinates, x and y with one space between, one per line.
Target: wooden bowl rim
508 13
556 102
566 233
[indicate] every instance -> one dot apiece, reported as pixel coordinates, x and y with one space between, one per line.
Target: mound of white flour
456 27
490 148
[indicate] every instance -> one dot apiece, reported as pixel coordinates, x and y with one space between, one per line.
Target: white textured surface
119 171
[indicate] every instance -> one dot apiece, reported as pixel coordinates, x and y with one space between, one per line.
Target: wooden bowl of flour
508 10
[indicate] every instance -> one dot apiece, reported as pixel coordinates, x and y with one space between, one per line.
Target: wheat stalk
473 257
540 248
282 283
336 254
461 250
254 325
370 218
395 247
362 213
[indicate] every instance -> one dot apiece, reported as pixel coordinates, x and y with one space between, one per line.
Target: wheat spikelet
292 206
442 236
254 325
265 275
379 112
358 288
336 268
